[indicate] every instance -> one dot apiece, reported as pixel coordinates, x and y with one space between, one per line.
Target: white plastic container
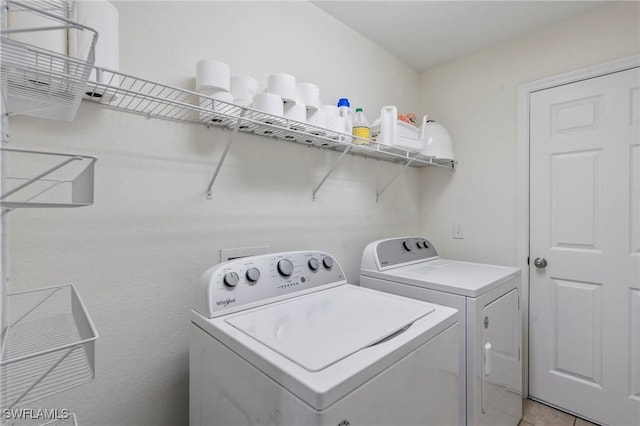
347 113
390 131
437 142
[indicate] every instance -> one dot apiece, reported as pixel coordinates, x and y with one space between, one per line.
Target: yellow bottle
361 129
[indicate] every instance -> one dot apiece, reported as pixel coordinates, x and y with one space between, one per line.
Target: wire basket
47 179
48 346
39 82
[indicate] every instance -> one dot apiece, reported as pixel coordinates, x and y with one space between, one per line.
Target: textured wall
136 253
475 97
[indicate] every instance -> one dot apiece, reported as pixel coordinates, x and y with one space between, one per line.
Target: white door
585 222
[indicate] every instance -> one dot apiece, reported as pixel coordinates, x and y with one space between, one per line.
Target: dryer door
501 365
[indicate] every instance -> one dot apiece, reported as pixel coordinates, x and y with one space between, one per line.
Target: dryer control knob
253 274
327 262
231 279
419 245
285 267
406 245
314 264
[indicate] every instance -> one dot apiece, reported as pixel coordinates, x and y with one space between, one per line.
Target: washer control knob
314 264
231 279
327 262
253 274
285 267
425 245
406 245
419 245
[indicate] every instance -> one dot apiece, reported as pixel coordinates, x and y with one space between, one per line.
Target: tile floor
536 414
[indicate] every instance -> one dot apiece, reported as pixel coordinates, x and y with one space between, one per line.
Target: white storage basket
392 132
48 346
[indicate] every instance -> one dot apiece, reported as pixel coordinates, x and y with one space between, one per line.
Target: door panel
577 327
634 325
634 210
576 115
501 352
585 221
575 200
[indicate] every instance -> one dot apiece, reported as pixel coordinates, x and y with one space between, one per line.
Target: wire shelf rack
47 179
48 346
135 95
39 82
61 8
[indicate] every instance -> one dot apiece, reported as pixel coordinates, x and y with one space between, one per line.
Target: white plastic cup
283 85
295 111
335 123
269 103
212 75
243 88
308 94
317 117
331 110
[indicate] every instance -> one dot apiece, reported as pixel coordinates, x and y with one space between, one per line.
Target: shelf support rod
317 188
224 153
384 188
4 234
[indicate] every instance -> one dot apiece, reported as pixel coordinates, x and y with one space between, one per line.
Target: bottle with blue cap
345 111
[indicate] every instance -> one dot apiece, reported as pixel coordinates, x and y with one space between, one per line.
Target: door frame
522 251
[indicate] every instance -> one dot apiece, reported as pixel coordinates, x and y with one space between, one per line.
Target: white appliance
282 339
487 298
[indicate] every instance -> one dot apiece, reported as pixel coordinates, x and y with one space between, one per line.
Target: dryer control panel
250 281
399 251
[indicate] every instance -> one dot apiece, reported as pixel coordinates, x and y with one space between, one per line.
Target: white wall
137 252
475 97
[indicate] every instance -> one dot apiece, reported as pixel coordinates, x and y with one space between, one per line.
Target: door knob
540 262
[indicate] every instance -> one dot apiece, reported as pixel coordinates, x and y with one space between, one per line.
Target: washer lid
457 277
320 329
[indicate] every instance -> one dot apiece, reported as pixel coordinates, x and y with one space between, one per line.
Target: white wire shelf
60 8
48 346
135 95
42 83
47 179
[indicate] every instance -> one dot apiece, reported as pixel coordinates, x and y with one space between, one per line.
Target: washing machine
282 339
488 300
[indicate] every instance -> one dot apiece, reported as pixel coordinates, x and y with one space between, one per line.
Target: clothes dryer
282 339
488 300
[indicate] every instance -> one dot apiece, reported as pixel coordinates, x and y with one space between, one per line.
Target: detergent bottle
361 128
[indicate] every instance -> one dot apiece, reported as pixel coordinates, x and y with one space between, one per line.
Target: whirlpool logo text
225 302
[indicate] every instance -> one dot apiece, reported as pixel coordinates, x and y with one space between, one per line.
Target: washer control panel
397 251
249 280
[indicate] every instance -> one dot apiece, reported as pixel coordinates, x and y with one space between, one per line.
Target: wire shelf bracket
388 184
335 165
224 154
